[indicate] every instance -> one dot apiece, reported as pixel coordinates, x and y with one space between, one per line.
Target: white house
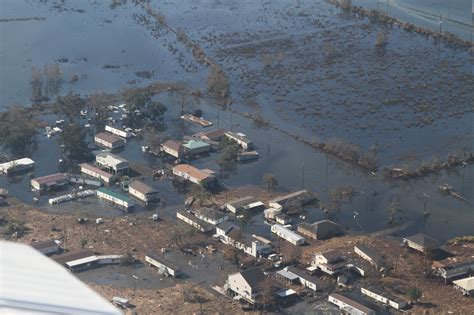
173 148
297 198
466 286
96 172
287 234
421 242
164 266
17 165
254 245
349 306
293 275
190 219
244 203
330 262
241 139
245 284
118 132
380 295
113 162
50 181
211 216
116 198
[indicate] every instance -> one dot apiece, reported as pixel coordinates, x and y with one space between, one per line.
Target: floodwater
411 98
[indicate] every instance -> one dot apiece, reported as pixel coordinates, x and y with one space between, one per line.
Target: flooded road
306 67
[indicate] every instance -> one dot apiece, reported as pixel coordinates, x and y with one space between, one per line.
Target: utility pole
327 168
269 152
218 112
302 174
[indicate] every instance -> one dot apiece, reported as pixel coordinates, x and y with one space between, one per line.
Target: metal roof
195 144
115 194
466 283
34 284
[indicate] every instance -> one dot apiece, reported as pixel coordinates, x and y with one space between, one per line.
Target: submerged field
307 67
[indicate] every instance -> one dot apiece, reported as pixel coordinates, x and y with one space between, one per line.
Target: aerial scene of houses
234 157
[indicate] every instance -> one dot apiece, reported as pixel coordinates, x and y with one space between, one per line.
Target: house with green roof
116 198
196 147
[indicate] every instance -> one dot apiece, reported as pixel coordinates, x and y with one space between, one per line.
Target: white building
244 203
287 234
194 175
109 141
241 140
46 247
466 286
381 296
254 245
190 219
164 266
17 165
245 284
349 306
116 198
142 191
330 262
50 181
112 162
96 172
270 213
118 132
173 148
293 275
211 216
299 198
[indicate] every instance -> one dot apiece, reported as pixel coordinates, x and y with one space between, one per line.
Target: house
379 294
421 242
118 132
96 172
173 148
244 203
287 234
164 266
116 198
215 135
190 219
195 147
270 213
320 230
109 141
50 181
296 199
294 275
358 265
245 284
194 175
46 247
142 191
330 262
109 259
32 283
114 163
282 219
466 286
241 140
77 260
349 306
453 268
254 245
17 166
368 253
211 216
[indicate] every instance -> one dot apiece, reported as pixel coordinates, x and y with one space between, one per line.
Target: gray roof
300 273
43 244
226 226
424 240
242 202
74 255
142 187
254 277
211 213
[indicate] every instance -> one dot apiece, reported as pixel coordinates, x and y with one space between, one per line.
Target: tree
69 106
228 158
142 110
36 85
17 129
270 181
414 294
217 83
98 104
73 138
266 293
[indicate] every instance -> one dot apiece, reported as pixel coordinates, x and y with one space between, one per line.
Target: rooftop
212 135
351 302
43 244
142 187
114 194
194 172
211 213
109 137
173 145
242 202
424 240
253 276
74 255
51 178
466 283
96 170
195 144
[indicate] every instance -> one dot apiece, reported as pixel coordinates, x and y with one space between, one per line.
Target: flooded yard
307 67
